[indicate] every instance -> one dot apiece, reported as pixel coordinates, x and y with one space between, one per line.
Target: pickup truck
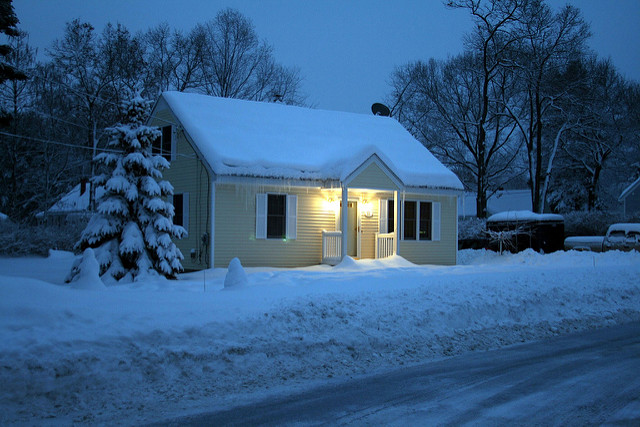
622 237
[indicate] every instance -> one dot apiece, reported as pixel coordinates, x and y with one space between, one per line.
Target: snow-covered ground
152 350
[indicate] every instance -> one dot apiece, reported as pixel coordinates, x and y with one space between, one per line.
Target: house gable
373 174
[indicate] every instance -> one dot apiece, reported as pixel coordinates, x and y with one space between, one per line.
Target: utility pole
92 192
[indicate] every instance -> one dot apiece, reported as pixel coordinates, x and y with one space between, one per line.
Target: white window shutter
435 231
185 211
292 216
383 215
174 143
261 216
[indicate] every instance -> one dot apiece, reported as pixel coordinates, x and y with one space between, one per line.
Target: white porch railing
385 245
331 247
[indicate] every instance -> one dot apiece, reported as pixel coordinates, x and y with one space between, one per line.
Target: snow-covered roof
3 217
629 189
523 216
74 201
247 138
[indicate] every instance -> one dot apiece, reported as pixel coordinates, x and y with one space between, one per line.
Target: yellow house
284 186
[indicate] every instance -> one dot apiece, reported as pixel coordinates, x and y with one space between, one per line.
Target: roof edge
629 189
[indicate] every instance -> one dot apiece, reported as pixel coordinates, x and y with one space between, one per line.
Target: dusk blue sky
345 50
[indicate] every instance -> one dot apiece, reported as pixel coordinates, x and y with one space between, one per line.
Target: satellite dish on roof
380 110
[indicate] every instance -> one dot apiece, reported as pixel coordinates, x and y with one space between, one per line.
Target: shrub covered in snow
132 229
471 228
23 239
593 223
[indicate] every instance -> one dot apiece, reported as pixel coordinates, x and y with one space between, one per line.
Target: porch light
332 204
367 208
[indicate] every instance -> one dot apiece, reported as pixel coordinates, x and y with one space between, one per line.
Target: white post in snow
345 220
396 232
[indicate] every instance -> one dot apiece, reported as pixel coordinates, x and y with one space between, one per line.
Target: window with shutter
276 216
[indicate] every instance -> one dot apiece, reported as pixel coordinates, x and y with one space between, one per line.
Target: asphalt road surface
582 379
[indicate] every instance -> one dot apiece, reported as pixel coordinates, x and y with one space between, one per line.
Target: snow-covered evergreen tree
132 229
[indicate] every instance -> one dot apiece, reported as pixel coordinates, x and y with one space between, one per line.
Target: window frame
290 216
277 215
160 146
405 229
184 214
428 232
417 221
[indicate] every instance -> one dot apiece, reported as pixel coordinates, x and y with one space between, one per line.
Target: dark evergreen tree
8 23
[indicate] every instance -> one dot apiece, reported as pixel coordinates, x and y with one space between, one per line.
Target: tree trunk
481 200
552 156
593 188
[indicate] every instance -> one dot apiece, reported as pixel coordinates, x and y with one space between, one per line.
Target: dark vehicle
520 230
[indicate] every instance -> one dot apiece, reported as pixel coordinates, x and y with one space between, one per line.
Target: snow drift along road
154 350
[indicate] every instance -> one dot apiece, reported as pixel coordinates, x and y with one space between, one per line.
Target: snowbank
523 216
147 351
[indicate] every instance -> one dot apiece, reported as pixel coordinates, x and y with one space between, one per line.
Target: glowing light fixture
367 208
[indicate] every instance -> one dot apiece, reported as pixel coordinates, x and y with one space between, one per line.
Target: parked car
584 243
623 237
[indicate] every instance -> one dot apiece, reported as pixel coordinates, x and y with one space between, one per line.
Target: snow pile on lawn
150 350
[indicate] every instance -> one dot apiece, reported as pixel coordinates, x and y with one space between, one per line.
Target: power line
65 144
84 147
49 116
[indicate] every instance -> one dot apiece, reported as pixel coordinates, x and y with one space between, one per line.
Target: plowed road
586 378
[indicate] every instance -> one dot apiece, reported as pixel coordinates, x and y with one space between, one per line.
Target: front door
352 246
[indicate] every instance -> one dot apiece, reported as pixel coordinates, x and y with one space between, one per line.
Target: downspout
345 221
457 220
212 226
